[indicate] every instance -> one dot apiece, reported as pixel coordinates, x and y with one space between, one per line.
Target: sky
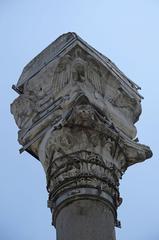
126 31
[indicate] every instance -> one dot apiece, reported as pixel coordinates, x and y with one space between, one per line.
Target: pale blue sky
127 31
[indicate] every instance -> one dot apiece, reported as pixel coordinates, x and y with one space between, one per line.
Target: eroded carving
77 115
82 169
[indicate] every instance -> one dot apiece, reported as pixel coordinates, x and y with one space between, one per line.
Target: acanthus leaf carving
76 114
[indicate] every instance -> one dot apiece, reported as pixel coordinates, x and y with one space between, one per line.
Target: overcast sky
126 31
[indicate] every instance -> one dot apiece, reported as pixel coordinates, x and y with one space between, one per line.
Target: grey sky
126 31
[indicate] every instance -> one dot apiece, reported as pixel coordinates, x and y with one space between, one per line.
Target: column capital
76 113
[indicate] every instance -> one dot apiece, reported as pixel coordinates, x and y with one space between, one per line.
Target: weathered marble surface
76 114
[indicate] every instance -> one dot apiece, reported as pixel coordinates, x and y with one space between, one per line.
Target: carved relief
24 110
95 76
79 72
62 74
82 169
77 116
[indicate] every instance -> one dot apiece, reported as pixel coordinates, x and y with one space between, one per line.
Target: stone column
76 113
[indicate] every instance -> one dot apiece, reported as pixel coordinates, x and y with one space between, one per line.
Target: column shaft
85 220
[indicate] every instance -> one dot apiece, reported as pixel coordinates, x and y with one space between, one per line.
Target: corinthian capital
76 114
